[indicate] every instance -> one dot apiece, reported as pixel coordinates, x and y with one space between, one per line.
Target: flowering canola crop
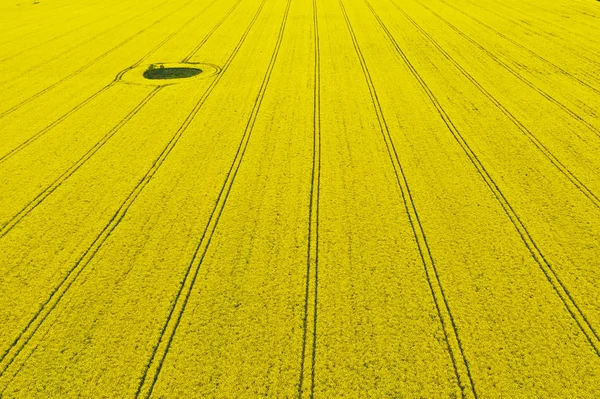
299 198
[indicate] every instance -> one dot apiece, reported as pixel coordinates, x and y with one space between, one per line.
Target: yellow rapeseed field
299 198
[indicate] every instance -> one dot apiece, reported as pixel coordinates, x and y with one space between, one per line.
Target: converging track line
85 42
559 287
309 352
519 45
9 355
161 350
15 54
73 110
27 209
38 23
455 348
192 53
89 64
10 224
547 96
108 250
530 135
529 28
24 337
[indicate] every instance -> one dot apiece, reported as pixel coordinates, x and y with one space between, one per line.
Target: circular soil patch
167 73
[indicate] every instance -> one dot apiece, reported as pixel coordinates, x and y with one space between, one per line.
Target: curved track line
36 136
42 20
155 362
452 338
307 363
91 63
85 42
8 357
536 142
561 290
547 96
13 55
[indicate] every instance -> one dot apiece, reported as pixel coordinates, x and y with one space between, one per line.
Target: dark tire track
42 20
519 45
312 252
26 334
547 96
155 362
27 209
91 63
559 287
56 295
545 21
45 130
188 57
455 348
73 110
73 48
532 137
13 55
